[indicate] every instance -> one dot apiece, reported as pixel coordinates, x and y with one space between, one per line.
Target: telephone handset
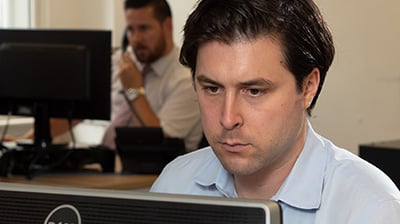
125 41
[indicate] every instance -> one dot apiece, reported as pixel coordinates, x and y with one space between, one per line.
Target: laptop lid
21 203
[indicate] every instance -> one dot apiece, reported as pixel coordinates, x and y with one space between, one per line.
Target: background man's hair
161 8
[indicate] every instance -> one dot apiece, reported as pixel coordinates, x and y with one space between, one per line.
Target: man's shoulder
358 189
348 169
179 176
192 161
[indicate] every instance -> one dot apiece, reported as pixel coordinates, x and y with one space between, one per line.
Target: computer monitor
55 73
38 204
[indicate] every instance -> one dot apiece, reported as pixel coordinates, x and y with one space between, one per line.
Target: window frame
15 13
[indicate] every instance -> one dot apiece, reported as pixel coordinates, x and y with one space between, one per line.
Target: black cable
49 160
131 108
68 152
71 133
41 153
5 130
33 165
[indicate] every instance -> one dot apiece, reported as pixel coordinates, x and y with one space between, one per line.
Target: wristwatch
133 93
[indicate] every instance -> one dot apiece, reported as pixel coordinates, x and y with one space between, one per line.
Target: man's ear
310 87
167 25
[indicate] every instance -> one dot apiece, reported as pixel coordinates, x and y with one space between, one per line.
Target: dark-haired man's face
146 34
253 114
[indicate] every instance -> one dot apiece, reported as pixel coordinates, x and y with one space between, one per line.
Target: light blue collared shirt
327 185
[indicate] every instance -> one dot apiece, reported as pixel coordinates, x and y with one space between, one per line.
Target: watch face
131 94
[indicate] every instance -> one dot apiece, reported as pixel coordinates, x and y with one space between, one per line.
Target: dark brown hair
297 24
161 7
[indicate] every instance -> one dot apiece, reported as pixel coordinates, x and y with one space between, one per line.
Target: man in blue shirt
258 67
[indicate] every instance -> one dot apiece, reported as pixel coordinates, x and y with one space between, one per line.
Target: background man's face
146 34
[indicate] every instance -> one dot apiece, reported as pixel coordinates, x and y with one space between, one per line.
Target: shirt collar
214 175
296 190
161 65
303 187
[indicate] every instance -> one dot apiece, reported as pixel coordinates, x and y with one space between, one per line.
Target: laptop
22 203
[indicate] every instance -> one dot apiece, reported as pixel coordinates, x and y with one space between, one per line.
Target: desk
18 125
99 181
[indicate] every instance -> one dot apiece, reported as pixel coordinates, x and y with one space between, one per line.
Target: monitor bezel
272 209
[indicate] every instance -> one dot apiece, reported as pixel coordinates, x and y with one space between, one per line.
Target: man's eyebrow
205 79
253 82
257 82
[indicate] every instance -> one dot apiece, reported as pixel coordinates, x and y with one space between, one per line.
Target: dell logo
64 214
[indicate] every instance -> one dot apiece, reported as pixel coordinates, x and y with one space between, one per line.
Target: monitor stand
42 141
42 136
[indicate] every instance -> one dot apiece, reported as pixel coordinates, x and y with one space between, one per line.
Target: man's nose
231 116
135 36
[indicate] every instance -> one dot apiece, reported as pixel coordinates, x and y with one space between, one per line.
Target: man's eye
254 92
144 28
211 89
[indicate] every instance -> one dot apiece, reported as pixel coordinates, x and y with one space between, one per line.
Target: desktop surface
86 180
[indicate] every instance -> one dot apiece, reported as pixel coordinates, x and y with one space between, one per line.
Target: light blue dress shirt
327 185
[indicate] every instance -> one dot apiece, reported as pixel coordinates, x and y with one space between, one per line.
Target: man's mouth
232 146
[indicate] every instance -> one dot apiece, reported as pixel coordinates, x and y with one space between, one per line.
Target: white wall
360 101
180 11
77 14
98 14
8 17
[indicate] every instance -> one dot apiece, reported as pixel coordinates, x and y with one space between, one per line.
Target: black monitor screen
62 66
55 73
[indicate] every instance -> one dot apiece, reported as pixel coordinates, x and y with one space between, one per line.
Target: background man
158 87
